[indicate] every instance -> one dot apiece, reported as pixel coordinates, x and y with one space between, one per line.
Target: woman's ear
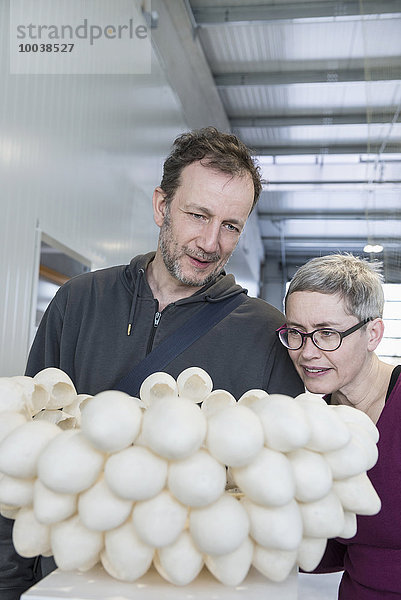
375 331
159 206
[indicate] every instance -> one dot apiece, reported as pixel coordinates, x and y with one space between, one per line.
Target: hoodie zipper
156 321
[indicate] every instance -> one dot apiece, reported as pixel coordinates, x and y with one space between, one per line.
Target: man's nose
209 240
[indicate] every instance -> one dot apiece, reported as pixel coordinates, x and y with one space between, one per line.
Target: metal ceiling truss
381 115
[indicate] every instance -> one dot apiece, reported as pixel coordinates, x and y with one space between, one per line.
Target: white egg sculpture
194 383
349 415
252 397
51 507
111 421
74 546
217 400
136 473
30 538
219 528
323 517
15 491
278 527
100 509
180 562
59 386
157 386
234 435
198 480
310 552
125 556
358 495
312 474
10 420
12 396
274 564
232 568
37 397
160 520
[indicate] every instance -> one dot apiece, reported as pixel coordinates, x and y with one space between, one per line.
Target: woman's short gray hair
357 281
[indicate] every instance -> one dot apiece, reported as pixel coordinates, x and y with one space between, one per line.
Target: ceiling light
373 249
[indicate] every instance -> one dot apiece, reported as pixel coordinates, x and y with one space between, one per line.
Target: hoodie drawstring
134 299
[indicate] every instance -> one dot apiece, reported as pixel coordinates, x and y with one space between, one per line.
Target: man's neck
166 288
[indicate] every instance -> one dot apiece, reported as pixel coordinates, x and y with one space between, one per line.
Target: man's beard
171 253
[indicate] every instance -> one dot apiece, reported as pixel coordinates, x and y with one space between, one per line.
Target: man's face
202 225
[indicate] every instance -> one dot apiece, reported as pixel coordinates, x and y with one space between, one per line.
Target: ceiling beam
230 15
371 215
376 73
372 148
383 116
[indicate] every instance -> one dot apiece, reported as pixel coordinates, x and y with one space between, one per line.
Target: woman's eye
326 332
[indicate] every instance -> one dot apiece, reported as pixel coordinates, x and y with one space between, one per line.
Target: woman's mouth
315 371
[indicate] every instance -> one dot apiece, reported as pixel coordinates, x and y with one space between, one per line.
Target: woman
334 308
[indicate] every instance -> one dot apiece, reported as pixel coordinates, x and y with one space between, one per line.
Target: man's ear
159 206
375 331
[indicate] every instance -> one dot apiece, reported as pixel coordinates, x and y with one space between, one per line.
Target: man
101 325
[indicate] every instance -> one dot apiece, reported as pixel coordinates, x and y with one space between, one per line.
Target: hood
224 286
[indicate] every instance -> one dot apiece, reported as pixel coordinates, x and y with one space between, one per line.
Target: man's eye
196 216
231 227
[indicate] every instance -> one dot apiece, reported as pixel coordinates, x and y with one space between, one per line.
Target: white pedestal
96 584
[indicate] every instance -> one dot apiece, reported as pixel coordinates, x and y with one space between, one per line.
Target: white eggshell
157 386
74 546
160 520
358 495
136 473
350 525
9 512
194 383
219 528
327 431
20 450
173 428
312 475
74 409
30 537
349 460
100 509
125 556
231 569
234 435
12 396
322 518
268 479
252 397
37 397
278 527
309 397
180 562
198 480
371 451
274 564
310 553
51 507
69 464
111 420
59 386
217 400
58 417
16 492
284 424
349 414
10 420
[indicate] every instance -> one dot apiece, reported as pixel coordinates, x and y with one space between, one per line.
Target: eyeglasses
325 339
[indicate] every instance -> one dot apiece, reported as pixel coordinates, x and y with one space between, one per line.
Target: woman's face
326 372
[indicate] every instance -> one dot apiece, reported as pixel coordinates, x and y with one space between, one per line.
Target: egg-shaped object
10 420
180 562
217 400
234 435
194 383
59 386
69 464
278 527
158 386
12 396
310 552
327 431
136 473
15 491
111 421
30 538
173 428
9 512
58 417
350 525
74 546
349 415
284 424
198 480
268 479
37 397
20 450
160 520
309 397
125 556
322 518
231 569
312 474
51 507
219 528
358 495
362 435
253 397
100 509
274 564
349 460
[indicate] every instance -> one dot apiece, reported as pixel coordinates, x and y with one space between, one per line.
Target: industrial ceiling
314 88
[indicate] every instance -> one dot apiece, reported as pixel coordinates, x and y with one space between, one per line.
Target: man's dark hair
220 151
